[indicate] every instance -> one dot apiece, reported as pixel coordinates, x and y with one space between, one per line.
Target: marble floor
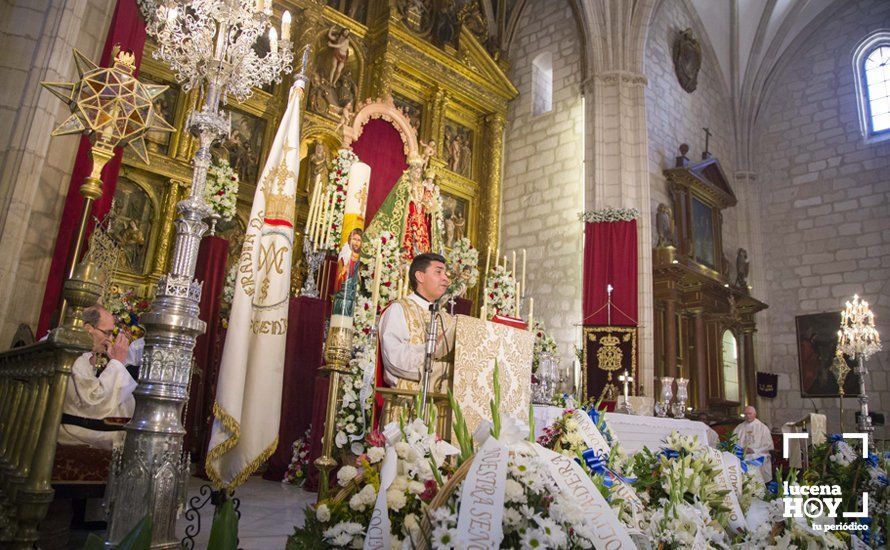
269 512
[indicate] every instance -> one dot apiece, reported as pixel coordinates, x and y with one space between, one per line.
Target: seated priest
95 391
403 328
756 441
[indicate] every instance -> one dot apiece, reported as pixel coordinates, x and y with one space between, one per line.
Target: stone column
617 175
749 364
670 337
701 361
491 200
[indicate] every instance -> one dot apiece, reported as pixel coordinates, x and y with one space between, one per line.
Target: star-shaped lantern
110 104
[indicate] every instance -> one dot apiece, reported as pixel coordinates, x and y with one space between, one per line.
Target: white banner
732 467
248 394
573 482
481 515
731 500
378 535
590 433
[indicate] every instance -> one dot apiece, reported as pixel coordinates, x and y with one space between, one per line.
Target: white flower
512 519
416 487
513 491
322 513
403 450
345 475
533 538
396 499
340 439
376 454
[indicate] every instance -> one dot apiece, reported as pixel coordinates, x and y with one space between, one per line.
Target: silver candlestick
210 43
859 338
314 259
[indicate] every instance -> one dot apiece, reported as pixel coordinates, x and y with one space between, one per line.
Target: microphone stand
428 359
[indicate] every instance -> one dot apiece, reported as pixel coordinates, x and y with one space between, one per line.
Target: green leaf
224 532
496 403
531 423
94 542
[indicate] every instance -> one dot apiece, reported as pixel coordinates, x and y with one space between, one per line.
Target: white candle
487 261
285 25
325 226
514 265
375 293
406 282
517 301
259 5
497 258
483 313
531 313
524 288
273 40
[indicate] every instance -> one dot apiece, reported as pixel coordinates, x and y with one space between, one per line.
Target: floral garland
500 288
544 343
357 386
609 214
221 191
126 308
338 179
463 267
299 462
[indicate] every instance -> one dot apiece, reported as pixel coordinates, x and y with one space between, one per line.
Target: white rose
322 513
416 487
514 492
395 499
376 454
411 523
345 475
368 494
341 439
402 449
357 502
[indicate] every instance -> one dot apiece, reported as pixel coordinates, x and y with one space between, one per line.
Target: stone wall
824 197
36 42
543 175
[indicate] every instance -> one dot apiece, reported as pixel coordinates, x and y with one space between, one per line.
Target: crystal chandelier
212 44
859 338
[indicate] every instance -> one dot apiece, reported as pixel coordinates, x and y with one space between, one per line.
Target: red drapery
610 257
128 30
381 148
211 271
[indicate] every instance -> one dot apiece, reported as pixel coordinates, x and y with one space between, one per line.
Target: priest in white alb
756 441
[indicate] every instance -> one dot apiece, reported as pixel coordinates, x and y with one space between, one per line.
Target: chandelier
222 41
858 335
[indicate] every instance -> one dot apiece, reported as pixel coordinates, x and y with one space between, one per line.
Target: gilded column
701 362
172 195
491 205
437 119
381 80
670 337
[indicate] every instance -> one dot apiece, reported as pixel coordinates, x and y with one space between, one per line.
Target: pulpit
478 346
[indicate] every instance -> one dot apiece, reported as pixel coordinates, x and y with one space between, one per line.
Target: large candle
531 313
514 266
356 200
375 292
524 288
487 261
516 301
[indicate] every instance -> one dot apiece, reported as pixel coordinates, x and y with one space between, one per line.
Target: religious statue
338 41
664 224
455 149
347 270
429 150
459 223
741 269
318 166
345 121
687 56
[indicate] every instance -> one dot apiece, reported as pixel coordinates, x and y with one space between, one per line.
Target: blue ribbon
883 480
773 487
595 416
836 437
872 460
670 453
754 462
598 463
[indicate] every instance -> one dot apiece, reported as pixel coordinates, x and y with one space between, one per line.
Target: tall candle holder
211 44
859 338
663 407
840 370
678 409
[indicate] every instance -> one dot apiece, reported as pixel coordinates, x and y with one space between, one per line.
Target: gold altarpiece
455 93
697 303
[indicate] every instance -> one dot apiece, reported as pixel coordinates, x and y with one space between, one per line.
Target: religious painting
130 224
413 110
244 146
357 10
608 352
334 81
233 231
703 233
816 347
165 105
687 60
459 149
454 212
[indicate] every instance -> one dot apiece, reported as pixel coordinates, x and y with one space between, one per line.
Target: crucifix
706 153
627 379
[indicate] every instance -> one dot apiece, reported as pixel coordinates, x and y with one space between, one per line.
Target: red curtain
610 257
128 30
380 147
210 270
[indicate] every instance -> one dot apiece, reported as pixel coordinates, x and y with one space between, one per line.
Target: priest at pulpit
756 441
403 328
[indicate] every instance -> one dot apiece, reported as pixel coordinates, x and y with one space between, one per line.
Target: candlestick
285 25
531 313
375 292
524 287
407 280
514 265
497 258
483 313
487 261
273 40
626 379
516 301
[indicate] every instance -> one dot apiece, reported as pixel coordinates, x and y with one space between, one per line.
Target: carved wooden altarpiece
704 322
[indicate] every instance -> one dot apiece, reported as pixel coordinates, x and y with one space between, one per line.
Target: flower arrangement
126 308
299 462
609 214
463 267
544 343
500 292
221 192
338 179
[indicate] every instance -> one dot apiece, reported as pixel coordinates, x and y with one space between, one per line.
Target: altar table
635 432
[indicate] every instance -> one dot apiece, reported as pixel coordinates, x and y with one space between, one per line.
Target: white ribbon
732 467
574 483
730 500
482 498
758 514
590 433
377 537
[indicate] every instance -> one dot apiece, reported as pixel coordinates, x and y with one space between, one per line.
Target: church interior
656 211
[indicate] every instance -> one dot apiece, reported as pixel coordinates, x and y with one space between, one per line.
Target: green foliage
224 531
495 404
137 539
461 432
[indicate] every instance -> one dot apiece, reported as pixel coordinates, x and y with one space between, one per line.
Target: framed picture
131 220
412 110
458 148
454 211
165 105
244 146
816 345
703 233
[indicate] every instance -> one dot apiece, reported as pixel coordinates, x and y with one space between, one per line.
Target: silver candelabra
859 338
209 43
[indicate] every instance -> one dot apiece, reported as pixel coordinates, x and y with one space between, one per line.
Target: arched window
871 64
542 84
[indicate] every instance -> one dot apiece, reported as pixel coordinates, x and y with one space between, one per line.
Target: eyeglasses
108 333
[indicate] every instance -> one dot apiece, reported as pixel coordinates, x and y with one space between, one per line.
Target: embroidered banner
608 352
481 515
767 384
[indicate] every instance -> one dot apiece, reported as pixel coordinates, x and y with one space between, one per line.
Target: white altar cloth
635 432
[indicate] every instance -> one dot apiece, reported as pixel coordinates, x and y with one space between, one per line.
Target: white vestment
404 348
89 396
756 439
